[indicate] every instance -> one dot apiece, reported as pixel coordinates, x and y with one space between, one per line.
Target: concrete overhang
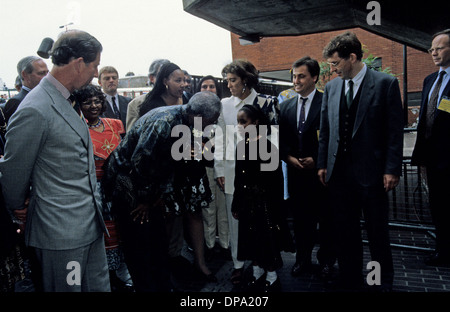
408 22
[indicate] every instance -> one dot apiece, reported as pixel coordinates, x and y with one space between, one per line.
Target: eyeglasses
334 64
437 49
90 102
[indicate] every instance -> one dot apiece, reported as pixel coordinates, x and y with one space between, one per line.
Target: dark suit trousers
349 200
309 205
438 186
145 248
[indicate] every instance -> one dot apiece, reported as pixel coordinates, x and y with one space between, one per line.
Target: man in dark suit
299 144
108 79
432 148
31 70
360 157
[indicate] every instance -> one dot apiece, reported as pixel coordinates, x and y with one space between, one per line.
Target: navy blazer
289 132
377 138
437 150
13 103
123 106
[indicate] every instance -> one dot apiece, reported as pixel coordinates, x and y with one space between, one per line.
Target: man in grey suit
49 159
360 157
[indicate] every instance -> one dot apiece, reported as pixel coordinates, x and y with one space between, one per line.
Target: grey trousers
83 269
215 218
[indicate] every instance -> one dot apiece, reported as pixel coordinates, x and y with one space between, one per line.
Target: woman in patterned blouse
106 136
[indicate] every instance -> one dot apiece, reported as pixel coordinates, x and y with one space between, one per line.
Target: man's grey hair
156 65
205 104
26 64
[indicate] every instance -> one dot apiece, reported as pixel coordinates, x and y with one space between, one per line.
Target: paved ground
411 274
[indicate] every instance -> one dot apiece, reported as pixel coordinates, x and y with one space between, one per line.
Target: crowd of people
94 199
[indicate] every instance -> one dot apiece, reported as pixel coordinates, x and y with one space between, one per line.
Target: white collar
357 80
248 100
309 96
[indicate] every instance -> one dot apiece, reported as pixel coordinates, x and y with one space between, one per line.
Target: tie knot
350 82
304 100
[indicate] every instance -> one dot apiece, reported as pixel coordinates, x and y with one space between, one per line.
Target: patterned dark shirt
142 170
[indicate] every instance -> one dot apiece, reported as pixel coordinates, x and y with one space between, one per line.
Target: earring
243 90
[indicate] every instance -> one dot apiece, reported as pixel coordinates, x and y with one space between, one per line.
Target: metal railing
409 205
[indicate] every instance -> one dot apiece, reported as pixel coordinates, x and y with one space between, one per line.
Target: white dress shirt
307 104
357 81
109 99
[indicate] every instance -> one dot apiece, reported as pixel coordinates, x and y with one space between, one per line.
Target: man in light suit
299 144
432 148
108 79
49 151
360 157
31 70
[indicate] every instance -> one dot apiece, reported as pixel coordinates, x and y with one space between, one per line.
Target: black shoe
274 287
256 284
237 276
301 267
326 272
438 260
117 285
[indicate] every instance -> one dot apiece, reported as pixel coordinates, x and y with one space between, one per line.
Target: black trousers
312 219
350 202
438 185
145 248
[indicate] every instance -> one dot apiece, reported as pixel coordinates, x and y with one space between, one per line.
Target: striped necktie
115 109
432 105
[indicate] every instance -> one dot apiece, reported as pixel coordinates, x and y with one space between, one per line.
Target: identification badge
444 105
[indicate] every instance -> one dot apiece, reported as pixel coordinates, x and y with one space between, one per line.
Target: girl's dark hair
243 69
88 93
255 113
159 88
209 77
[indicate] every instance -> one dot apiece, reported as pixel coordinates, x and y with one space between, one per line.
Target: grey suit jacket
377 138
49 146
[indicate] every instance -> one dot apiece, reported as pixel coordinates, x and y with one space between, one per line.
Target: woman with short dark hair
106 136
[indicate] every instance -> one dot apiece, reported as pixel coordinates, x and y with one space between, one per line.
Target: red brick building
278 53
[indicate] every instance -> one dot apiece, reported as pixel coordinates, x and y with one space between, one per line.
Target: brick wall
279 53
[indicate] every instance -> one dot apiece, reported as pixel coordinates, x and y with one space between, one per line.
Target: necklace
98 124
